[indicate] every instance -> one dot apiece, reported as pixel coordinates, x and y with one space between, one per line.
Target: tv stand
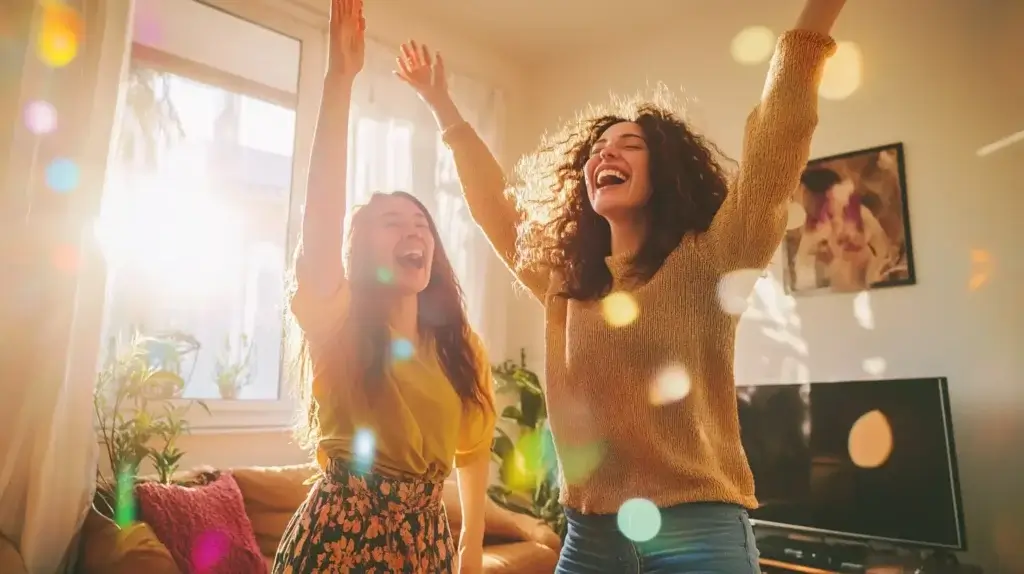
785 555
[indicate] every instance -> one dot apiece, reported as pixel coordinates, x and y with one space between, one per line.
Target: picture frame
849 228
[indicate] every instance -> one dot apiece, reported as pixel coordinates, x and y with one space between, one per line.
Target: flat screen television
867 459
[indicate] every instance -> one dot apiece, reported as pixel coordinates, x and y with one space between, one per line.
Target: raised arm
776 146
483 181
318 267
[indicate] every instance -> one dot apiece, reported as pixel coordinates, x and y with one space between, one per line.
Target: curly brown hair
561 231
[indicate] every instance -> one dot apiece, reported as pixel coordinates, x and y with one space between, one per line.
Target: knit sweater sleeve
752 220
483 184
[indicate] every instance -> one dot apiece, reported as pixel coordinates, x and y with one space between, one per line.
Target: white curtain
396 146
48 448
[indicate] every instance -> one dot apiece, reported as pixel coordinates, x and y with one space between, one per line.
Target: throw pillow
205 528
107 549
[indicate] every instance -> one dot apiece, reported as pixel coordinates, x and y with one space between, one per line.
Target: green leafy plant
233 375
528 467
138 403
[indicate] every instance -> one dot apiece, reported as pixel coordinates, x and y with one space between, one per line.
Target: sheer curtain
48 448
395 145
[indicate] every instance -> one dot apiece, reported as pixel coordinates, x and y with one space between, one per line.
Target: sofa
270 496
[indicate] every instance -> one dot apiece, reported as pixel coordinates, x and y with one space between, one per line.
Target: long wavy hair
561 231
363 340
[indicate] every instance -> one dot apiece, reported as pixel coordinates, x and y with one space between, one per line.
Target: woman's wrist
335 80
819 15
446 113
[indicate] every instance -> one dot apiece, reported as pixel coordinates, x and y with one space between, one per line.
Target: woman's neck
404 316
628 234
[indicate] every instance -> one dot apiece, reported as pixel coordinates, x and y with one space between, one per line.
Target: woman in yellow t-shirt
397 387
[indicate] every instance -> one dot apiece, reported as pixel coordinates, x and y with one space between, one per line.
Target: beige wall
944 77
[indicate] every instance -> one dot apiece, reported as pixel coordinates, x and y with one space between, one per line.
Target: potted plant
140 412
528 467
232 375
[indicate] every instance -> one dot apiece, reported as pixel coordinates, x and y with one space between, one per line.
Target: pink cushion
205 528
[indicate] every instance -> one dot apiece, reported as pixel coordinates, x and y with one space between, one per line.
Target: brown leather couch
514 543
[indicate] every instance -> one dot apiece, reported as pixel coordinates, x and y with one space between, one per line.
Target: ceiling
534 30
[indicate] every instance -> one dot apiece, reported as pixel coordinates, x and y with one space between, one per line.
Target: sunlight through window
193 225
265 126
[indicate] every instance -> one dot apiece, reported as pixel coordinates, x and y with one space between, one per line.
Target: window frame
242 415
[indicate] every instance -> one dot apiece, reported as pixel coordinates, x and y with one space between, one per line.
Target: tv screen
866 459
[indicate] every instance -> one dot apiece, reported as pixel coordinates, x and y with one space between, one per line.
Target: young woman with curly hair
396 387
638 206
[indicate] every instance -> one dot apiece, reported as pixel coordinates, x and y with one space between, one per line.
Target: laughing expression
617 171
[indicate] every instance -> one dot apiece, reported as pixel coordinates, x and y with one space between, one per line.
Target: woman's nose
608 152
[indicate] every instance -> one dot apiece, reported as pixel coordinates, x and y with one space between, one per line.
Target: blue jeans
694 538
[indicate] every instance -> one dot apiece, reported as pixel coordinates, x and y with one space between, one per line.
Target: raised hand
347 38
423 72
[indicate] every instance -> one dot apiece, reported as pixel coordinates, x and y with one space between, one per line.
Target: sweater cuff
806 42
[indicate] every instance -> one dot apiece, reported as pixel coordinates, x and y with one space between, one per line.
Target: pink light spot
209 548
40 117
147 27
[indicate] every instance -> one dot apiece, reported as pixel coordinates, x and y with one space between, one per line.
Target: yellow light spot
619 309
874 366
671 385
734 290
753 45
870 442
796 215
527 463
981 269
579 461
862 310
59 34
842 72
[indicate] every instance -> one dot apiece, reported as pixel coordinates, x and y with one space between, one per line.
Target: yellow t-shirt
414 426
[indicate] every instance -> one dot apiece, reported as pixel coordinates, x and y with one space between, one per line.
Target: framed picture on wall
854 231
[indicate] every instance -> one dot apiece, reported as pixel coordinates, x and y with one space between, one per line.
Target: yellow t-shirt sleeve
476 433
319 315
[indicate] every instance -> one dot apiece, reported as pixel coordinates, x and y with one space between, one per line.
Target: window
202 204
197 217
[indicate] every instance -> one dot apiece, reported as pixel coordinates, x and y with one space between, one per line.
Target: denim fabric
694 538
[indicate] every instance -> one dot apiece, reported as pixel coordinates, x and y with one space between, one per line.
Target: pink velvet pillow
205 528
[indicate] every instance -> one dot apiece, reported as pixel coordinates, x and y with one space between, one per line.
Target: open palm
424 73
347 37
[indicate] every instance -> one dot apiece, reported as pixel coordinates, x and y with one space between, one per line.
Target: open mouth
411 259
609 177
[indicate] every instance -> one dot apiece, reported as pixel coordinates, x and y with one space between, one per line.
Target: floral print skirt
367 523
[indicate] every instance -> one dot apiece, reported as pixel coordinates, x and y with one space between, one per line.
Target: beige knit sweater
613 442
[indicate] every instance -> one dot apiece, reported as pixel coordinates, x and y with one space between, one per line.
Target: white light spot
734 290
862 310
753 45
843 72
874 366
671 385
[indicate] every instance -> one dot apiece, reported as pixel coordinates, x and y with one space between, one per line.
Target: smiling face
617 174
401 243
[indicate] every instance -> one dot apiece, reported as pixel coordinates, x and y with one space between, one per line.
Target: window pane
194 225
